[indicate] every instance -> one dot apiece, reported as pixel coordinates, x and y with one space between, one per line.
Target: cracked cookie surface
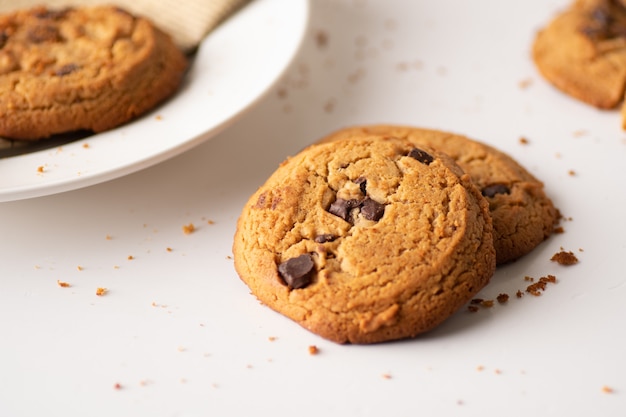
366 240
582 52
523 215
90 68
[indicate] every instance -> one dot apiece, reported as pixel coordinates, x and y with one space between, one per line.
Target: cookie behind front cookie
366 240
90 68
523 215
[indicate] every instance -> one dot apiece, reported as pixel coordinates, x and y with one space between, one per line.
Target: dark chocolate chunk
51 14
362 183
297 272
493 189
424 157
372 210
4 37
66 69
602 16
341 208
44 33
326 237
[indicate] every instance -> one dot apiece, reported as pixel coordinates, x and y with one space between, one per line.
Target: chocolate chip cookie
90 68
523 215
366 240
582 51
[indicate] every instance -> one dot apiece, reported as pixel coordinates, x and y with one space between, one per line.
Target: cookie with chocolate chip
523 215
582 52
83 68
366 240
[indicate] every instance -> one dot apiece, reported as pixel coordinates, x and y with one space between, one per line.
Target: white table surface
178 334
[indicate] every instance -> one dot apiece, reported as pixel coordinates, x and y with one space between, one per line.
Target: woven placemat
187 21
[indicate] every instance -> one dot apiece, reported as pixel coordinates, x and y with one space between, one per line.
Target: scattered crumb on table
564 258
607 390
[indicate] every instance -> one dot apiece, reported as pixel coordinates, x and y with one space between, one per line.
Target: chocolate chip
4 37
51 14
493 189
372 210
362 183
66 69
297 272
44 33
602 16
341 208
421 156
326 237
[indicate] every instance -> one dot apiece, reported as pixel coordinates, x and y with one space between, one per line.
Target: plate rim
45 185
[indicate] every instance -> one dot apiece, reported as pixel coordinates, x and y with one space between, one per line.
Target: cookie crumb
525 83
487 303
321 39
100 291
40 169
564 258
168 249
502 298
78 267
107 237
272 338
472 309
539 286
313 350
571 173
607 390
480 368
63 284
210 222
85 146
330 105
519 294
402 66
386 376
189 228
524 141
130 257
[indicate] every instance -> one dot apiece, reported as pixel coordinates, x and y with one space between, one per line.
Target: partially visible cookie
81 69
366 240
582 51
523 215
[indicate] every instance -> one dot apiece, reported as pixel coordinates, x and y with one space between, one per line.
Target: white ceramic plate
235 65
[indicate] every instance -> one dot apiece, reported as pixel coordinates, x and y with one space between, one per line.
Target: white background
181 334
